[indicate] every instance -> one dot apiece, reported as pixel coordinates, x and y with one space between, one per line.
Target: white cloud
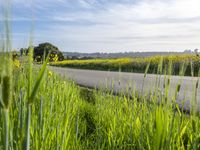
146 24
145 9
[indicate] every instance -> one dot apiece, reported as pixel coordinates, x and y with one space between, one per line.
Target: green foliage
64 116
87 95
54 113
47 48
6 91
43 49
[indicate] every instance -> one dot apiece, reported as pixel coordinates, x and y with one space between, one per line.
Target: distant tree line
42 50
80 56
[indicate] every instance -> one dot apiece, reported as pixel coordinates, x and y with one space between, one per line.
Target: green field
190 62
53 113
42 110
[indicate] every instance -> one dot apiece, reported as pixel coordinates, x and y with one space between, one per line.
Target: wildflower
16 63
50 74
55 58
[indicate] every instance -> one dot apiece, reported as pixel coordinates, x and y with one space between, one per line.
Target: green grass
138 64
64 116
41 110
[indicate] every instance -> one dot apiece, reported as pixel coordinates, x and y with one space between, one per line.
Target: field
191 63
41 110
45 111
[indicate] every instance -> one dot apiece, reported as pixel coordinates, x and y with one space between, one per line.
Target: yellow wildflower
16 63
50 74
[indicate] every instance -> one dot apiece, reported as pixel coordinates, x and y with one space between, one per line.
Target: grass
41 110
64 116
137 64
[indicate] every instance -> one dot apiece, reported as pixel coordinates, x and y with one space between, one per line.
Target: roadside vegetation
60 115
41 110
43 49
138 65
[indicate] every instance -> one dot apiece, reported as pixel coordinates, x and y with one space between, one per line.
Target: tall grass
41 110
7 91
6 78
63 116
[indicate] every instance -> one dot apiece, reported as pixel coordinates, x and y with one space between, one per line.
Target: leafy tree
23 51
46 48
196 52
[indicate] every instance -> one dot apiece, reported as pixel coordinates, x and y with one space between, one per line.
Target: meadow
192 63
42 110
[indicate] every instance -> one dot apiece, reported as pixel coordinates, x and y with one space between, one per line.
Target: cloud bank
115 25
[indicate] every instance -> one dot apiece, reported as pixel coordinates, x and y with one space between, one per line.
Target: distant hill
76 55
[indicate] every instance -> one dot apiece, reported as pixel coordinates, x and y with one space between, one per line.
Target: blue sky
107 25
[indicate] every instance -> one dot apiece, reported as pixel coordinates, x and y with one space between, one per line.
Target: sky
106 25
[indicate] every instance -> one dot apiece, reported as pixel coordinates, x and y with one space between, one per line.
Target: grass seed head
197 84
178 87
6 91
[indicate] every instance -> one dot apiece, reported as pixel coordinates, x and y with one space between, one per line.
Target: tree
23 51
46 48
196 52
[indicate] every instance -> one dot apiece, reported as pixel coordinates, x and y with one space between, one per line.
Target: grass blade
38 81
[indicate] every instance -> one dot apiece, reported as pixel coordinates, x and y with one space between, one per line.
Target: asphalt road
129 82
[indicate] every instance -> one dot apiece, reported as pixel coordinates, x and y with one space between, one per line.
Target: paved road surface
129 82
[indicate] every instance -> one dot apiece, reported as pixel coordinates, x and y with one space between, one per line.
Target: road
129 82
